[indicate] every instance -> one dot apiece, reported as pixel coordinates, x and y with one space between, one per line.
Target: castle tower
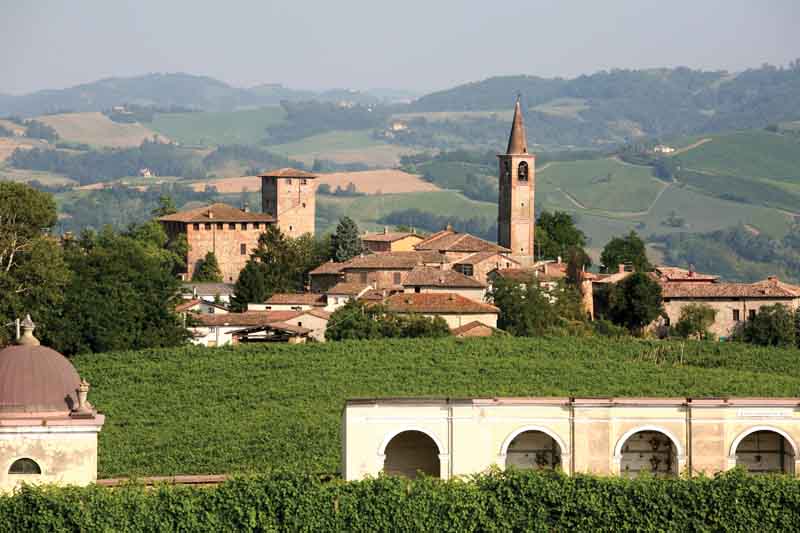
515 215
289 195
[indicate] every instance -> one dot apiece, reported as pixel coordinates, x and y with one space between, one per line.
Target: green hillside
750 154
279 406
222 127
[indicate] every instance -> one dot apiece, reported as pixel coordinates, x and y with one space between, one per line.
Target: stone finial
83 406
27 338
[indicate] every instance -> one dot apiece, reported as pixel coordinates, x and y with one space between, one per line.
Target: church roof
287 173
517 141
35 378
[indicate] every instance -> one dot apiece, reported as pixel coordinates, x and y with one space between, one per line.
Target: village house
454 245
424 279
343 292
455 309
212 330
447 438
390 241
207 291
48 428
302 301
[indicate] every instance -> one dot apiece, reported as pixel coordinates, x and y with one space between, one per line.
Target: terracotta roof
453 241
394 260
374 295
768 288
424 276
209 288
391 236
348 288
216 213
517 141
667 273
319 313
36 378
432 302
288 328
479 257
185 306
470 326
287 173
248 318
328 268
303 298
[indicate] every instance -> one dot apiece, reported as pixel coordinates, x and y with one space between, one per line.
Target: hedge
496 501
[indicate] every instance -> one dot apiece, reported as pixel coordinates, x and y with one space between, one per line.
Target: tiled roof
768 288
287 173
329 267
394 260
667 273
319 313
431 302
185 306
452 241
374 295
303 298
216 213
468 327
424 276
479 257
246 319
390 236
348 288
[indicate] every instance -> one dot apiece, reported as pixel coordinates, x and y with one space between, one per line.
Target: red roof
36 378
348 288
391 236
329 267
444 302
466 328
452 241
303 298
394 260
424 276
287 173
681 274
216 213
768 288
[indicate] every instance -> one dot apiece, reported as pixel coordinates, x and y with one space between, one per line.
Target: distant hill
165 90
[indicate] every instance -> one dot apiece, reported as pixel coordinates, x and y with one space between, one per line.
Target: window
24 466
396 278
256 225
522 171
467 270
304 182
304 205
208 226
363 277
291 228
736 317
220 225
289 181
751 314
231 226
244 225
418 289
196 227
300 324
242 249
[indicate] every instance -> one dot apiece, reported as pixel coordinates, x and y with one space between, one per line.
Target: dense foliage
695 321
626 250
773 325
416 218
346 241
207 269
534 309
358 321
635 302
495 501
39 130
278 406
557 236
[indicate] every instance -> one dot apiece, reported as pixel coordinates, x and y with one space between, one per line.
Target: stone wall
231 242
725 325
292 201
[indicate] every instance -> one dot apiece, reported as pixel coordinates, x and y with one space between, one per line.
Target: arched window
765 452
534 450
410 453
522 171
25 466
649 451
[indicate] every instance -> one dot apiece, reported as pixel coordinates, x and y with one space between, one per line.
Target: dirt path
619 214
691 146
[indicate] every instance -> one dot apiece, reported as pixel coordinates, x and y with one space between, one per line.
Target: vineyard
264 408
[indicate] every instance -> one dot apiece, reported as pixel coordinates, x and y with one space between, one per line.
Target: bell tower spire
515 213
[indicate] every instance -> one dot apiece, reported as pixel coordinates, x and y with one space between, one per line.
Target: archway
765 451
411 452
533 450
25 466
648 450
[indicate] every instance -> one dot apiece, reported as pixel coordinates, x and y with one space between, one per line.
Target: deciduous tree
207 269
629 249
635 302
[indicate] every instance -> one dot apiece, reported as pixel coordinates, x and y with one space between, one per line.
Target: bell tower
515 215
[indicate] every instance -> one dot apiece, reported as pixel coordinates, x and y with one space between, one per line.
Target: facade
230 233
290 302
390 241
480 264
455 309
289 195
609 436
517 170
423 280
207 291
48 428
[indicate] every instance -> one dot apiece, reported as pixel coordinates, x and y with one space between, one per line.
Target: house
455 309
273 332
424 279
388 270
665 437
390 241
302 301
454 245
209 292
289 196
201 306
663 149
479 264
341 293
230 233
474 329
326 276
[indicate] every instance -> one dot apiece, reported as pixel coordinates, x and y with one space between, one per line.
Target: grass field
603 184
267 407
439 116
750 154
563 107
24 176
357 146
96 129
451 174
9 144
216 128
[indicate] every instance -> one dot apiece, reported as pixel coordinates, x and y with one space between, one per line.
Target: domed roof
36 378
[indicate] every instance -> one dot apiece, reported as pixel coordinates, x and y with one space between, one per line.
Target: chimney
385 230
621 268
246 207
27 338
210 213
449 227
558 260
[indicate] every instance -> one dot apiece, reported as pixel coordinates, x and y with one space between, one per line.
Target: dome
36 378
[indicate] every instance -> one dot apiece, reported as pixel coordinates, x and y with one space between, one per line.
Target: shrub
773 325
694 321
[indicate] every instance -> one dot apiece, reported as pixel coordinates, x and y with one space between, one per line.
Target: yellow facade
599 436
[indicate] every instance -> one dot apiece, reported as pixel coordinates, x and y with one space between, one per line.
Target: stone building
289 195
390 241
48 428
230 233
618 436
455 309
516 218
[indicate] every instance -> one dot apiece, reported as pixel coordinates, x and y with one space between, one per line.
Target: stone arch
410 451
24 466
758 450
665 457
547 447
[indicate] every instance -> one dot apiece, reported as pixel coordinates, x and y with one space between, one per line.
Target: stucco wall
457 320
476 295
725 325
379 279
226 244
65 455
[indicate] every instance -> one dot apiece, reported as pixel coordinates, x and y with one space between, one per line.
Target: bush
496 501
773 325
359 321
694 321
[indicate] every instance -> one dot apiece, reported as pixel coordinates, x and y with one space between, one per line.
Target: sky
421 45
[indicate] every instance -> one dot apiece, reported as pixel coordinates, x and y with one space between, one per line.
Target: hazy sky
415 44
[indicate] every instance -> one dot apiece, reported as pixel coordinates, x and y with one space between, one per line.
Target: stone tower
289 195
515 214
